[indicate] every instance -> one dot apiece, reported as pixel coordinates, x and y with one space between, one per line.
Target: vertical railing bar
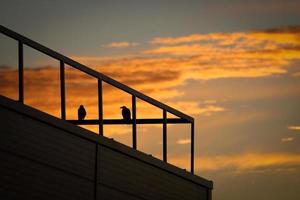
62 90
100 106
21 72
133 122
164 135
192 147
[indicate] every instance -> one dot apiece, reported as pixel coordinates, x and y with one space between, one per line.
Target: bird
81 113
126 113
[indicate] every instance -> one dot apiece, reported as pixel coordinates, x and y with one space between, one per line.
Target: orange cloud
295 128
183 39
287 139
189 50
82 89
223 55
183 141
283 35
212 37
120 44
240 162
195 109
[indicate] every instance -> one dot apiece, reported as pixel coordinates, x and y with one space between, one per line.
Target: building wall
43 157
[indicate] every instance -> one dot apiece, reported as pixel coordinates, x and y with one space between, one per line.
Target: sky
232 65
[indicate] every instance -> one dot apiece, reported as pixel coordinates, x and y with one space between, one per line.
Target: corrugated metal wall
41 159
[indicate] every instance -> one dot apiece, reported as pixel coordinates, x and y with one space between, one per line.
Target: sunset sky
233 65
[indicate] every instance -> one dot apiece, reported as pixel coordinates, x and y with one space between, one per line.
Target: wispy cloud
122 44
178 40
280 35
207 56
209 110
296 74
287 139
183 141
294 128
240 162
241 54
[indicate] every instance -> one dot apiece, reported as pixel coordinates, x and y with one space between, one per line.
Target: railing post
62 90
164 135
21 72
192 147
100 106
133 121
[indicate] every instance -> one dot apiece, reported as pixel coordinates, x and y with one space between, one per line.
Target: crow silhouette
81 113
126 113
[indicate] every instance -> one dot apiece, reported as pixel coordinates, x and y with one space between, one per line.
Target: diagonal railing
183 118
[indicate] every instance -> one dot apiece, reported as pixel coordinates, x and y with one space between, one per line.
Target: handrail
183 118
121 121
91 72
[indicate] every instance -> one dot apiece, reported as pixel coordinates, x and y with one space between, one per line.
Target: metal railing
183 118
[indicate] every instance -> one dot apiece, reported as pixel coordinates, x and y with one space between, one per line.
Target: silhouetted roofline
109 143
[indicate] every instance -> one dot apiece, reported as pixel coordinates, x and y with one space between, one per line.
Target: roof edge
104 141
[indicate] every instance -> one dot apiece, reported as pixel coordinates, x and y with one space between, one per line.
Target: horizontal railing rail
183 118
121 121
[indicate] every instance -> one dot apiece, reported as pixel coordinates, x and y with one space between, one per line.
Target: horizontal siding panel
30 138
26 179
136 177
109 193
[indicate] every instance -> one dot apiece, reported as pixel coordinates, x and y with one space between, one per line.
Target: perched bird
126 113
81 113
